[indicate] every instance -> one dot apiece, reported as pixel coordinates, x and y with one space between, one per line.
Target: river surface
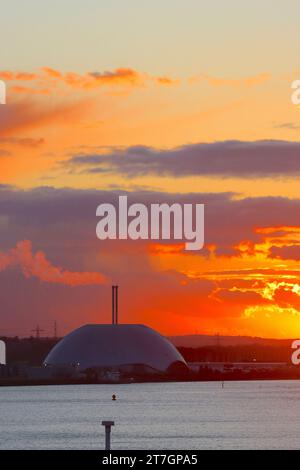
172 416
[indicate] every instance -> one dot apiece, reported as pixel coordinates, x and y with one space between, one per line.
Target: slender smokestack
117 304
113 305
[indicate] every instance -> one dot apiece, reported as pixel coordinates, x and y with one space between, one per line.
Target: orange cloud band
37 265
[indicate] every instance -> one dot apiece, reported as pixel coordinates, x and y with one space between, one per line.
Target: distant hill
198 341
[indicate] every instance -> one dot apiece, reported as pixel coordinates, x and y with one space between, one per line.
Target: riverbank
208 377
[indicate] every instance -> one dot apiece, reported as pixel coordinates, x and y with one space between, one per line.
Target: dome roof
114 345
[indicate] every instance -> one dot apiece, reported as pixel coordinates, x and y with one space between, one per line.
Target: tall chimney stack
115 305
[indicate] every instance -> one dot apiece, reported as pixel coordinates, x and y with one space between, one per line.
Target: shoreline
37 383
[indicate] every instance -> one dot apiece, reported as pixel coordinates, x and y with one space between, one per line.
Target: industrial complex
125 353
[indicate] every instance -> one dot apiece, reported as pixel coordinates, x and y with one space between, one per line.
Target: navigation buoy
114 398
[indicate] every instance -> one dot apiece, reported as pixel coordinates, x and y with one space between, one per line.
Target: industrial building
108 351
131 348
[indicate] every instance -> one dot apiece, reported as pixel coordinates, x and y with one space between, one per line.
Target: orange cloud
163 249
37 265
91 80
51 72
288 297
29 113
279 229
166 81
18 76
120 76
30 91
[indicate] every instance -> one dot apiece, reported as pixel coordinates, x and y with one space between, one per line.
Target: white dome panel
93 346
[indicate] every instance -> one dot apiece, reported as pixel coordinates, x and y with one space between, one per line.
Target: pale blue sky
229 38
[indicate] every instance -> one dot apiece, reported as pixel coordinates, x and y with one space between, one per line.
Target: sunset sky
173 101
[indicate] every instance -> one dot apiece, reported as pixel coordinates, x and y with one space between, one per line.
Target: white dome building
117 347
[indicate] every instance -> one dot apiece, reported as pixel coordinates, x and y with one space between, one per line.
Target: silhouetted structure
37 331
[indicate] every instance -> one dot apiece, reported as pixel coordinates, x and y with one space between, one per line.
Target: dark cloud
292 126
223 159
61 223
285 252
56 216
244 298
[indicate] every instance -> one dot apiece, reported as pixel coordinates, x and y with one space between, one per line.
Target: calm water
201 415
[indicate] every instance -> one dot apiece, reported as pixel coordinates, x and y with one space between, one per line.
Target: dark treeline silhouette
28 350
34 350
241 353
206 363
